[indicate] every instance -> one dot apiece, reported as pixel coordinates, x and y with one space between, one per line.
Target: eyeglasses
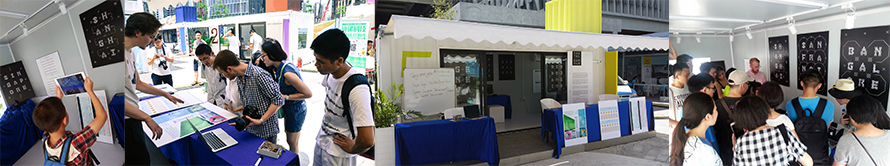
205 59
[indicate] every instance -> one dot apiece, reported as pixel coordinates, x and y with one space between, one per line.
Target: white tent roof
419 28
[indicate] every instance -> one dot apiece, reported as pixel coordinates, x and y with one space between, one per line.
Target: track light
24 30
851 16
679 39
698 37
748 33
730 36
62 8
677 34
791 25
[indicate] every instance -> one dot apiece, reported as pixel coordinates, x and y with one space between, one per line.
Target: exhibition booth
511 74
61 43
843 39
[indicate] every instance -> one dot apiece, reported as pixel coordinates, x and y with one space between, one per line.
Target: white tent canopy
419 28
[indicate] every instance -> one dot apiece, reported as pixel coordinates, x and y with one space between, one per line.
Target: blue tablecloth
551 121
502 100
439 141
193 151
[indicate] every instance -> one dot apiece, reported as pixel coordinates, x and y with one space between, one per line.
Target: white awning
419 28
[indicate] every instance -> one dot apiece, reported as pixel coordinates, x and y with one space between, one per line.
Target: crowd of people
261 92
740 120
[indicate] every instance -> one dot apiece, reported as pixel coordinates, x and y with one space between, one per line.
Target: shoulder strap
797 108
784 133
64 155
726 107
350 84
820 108
863 148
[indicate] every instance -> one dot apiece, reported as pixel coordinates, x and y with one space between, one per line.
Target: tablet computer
71 84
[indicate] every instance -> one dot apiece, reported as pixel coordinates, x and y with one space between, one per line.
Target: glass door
467 75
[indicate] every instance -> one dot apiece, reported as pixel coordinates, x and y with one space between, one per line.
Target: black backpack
351 82
813 131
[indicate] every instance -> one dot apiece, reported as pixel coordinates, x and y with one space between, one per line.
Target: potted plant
387 113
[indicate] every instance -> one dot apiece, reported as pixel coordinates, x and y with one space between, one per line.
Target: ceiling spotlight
24 30
730 37
791 25
698 37
62 8
748 33
679 39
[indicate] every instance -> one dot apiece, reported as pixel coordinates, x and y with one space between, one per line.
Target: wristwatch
286 97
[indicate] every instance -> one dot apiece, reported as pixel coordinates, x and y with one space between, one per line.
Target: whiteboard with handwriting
429 91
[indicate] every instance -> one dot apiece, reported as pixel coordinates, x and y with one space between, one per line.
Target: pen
258 160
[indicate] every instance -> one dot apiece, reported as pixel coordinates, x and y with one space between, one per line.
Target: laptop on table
216 139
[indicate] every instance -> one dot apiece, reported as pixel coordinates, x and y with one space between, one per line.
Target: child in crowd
61 146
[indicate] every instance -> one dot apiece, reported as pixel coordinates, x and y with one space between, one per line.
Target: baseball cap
738 77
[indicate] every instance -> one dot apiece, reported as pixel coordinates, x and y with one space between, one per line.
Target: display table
551 121
502 100
192 151
439 141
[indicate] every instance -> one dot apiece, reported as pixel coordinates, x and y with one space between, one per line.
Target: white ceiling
749 10
24 7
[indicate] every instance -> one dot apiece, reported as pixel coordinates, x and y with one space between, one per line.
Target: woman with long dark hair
691 147
763 144
868 145
292 88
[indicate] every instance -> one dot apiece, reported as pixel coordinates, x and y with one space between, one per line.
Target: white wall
57 35
5 54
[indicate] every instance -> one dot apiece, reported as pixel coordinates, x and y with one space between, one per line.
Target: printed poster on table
863 60
812 54
574 120
203 116
639 115
778 60
609 123
103 29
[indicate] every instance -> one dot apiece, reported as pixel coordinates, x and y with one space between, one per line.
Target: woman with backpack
868 145
292 88
690 147
762 144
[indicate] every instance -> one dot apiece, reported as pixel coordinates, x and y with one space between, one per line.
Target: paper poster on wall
863 60
536 81
580 87
15 85
357 32
50 67
574 121
639 115
506 67
778 60
812 54
609 123
103 29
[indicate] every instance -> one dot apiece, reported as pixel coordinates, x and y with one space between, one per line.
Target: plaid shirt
82 141
767 147
257 89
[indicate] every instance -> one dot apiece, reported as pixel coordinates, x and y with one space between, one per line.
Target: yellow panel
574 15
611 81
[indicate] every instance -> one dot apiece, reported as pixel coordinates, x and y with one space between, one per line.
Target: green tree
222 12
202 14
442 10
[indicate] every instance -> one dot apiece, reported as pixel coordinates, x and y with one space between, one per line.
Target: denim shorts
196 64
294 115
